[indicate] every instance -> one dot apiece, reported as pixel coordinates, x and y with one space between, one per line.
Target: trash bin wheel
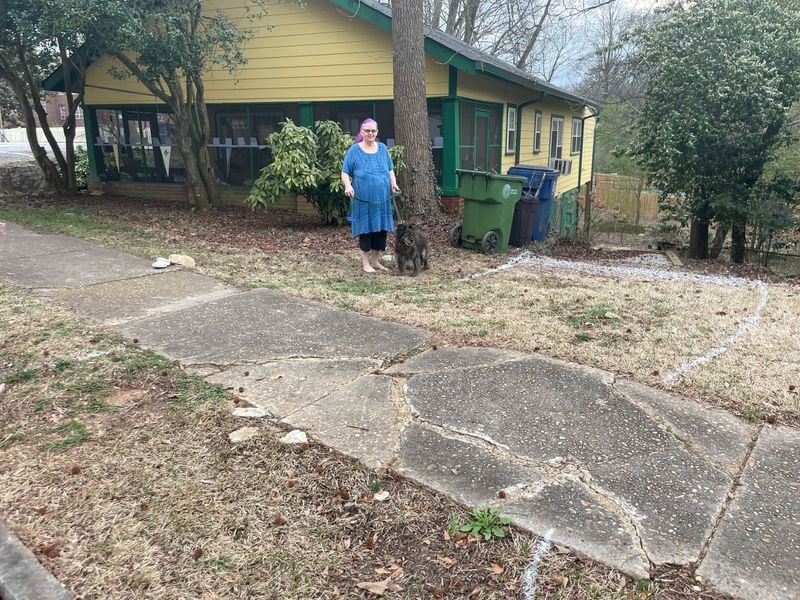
489 242
455 237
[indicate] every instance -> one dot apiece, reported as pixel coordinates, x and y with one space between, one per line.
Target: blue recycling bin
534 176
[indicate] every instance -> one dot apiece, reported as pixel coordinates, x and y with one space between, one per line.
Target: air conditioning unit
562 165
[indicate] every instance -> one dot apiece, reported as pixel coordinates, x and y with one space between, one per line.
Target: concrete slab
25 243
674 495
716 436
449 358
539 408
263 325
286 386
22 577
579 519
69 263
467 473
360 420
756 549
117 302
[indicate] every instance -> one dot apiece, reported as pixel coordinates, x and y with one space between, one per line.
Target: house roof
438 44
456 53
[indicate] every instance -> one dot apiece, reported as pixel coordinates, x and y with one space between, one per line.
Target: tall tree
411 108
36 37
721 77
169 45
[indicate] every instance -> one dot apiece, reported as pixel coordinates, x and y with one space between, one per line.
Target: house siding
316 53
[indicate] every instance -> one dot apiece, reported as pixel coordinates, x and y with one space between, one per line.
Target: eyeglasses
370 130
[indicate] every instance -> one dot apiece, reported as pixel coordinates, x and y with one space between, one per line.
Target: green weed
21 376
487 523
76 433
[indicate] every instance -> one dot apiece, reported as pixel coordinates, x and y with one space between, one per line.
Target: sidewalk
628 475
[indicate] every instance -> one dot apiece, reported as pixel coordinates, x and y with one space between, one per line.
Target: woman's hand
349 191
395 188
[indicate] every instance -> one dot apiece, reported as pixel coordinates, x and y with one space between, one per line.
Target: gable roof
447 48
454 52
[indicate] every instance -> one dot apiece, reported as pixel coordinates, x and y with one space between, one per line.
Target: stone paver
264 325
165 292
755 552
361 420
286 386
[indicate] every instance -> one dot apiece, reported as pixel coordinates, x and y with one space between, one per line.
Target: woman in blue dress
369 182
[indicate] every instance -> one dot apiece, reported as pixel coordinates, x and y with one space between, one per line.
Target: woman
369 181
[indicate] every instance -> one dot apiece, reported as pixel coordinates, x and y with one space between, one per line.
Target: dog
410 248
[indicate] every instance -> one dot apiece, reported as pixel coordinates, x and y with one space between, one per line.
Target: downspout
587 211
519 123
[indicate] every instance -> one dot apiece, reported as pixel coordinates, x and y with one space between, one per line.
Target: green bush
81 167
309 163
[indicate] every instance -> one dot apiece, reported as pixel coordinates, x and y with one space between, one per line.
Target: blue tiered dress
371 208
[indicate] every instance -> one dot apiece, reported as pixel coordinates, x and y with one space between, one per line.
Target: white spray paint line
751 321
526 258
530 572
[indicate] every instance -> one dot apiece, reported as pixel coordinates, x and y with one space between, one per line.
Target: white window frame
556 126
511 129
78 113
576 137
62 112
537 131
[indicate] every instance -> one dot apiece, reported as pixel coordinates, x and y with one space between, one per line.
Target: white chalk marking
530 572
743 328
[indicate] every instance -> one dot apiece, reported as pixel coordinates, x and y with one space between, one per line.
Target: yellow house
332 59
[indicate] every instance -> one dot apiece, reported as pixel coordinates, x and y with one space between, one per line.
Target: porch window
577 136
481 136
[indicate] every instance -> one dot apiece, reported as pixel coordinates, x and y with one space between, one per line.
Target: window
511 130
577 136
62 112
537 132
481 136
79 113
556 137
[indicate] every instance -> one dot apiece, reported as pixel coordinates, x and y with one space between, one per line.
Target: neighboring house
332 59
55 104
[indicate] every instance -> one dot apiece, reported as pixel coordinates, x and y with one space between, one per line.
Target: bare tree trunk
411 109
738 240
534 36
436 14
452 16
719 240
470 15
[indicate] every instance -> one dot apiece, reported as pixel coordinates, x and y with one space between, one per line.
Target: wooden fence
626 199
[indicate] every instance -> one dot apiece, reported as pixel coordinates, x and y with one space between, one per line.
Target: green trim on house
452 81
451 124
306 114
89 127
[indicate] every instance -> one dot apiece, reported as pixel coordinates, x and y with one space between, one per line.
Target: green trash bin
489 201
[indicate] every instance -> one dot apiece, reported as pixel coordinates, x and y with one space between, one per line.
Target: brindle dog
410 248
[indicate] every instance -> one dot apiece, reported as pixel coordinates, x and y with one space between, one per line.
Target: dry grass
115 468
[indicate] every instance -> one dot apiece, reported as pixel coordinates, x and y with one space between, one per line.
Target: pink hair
368 121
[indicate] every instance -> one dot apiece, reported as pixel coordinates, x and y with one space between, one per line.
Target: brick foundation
453 205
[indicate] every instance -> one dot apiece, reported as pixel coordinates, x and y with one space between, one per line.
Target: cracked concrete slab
262 325
468 473
19 243
540 408
448 358
360 420
676 495
756 548
717 436
583 521
286 386
117 302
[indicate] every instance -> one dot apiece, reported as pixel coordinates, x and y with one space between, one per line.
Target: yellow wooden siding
316 53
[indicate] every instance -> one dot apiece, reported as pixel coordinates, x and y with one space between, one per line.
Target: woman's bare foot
366 263
375 261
